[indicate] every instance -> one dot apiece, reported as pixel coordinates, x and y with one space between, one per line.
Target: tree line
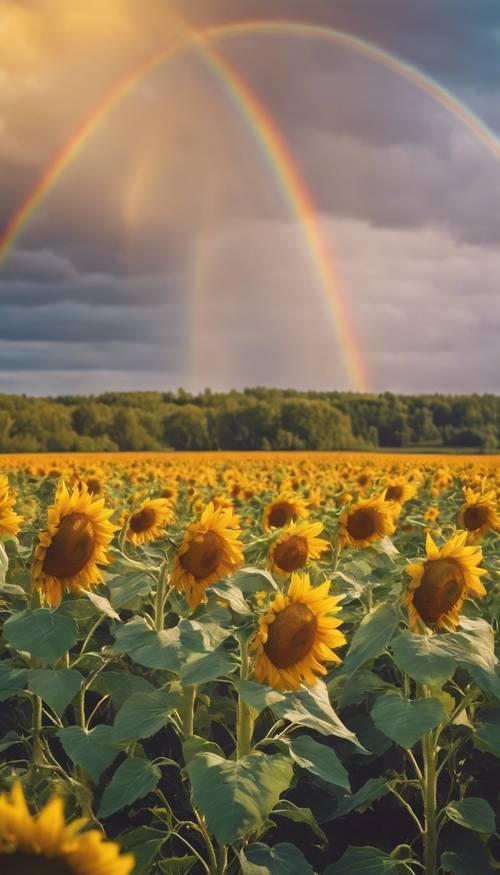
253 419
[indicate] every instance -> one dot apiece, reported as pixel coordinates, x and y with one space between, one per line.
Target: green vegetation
255 419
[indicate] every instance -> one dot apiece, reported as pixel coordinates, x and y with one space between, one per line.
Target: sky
167 250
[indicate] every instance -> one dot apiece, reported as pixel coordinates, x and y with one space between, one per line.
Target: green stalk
187 710
38 755
161 596
429 793
245 719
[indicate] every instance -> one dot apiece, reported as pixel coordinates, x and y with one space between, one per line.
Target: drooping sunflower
478 514
210 550
440 585
10 521
44 844
285 509
74 545
370 519
297 634
149 520
296 545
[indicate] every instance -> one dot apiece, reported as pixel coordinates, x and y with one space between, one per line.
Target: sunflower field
260 663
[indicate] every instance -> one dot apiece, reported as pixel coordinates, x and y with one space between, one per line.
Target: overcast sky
167 253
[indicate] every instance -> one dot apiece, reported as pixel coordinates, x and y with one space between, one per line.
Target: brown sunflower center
203 555
71 546
142 520
20 863
94 485
281 514
394 493
291 554
167 493
364 479
475 517
362 524
442 585
291 635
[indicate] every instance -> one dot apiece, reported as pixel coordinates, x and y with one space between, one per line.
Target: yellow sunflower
10 522
370 519
439 586
400 491
75 543
286 508
44 844
297 635
478 514
210 550
295 546
149 520
431 514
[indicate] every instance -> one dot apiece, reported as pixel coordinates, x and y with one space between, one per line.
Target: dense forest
254 419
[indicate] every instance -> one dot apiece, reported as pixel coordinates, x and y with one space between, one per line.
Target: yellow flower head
10 522
369 520
439 586
431 514
210 550
297 635
45 843
296 545
75 543
285 509
400 490
149 520
478 514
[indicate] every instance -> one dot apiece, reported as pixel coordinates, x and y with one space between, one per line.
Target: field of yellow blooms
260 663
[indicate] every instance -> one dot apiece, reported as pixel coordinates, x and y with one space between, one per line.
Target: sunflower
478 514
286 508
296 635
400 491
75 543
431 514
209 551
369 520
44 844
440 585
149 520
10 522
295 546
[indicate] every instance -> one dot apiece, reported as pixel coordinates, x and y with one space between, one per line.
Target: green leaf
466 853
143 714
194 744
93 750
310 706
473 813
250 580
42 633
151 649
12 680
371 637
9 739
145 844
258 696
178 865
283 859
235 797
134 779
406 720
103 605
424 658
127 590
121 685
487 731
374 789
366 861
56 687
288 809
225 589
202 668
319 759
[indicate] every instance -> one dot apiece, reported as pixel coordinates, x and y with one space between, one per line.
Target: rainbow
269 136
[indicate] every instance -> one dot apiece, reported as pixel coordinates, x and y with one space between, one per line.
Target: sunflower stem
245 721
38 754
429 791
161 597
187 710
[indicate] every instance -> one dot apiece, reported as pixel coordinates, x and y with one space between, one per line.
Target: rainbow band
289 175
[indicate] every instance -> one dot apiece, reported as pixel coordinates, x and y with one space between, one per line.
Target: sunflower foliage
270 664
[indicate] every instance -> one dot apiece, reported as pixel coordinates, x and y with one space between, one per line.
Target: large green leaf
487 730
121 685
466 854
473 813
134 779
127 590
152 649
282 859
12 680
374 789
93 750
371 637
366 861
200 668
42 633
423 657
406 720
310 706
143 714
56 687
235 797
319 759
145 844
290 811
